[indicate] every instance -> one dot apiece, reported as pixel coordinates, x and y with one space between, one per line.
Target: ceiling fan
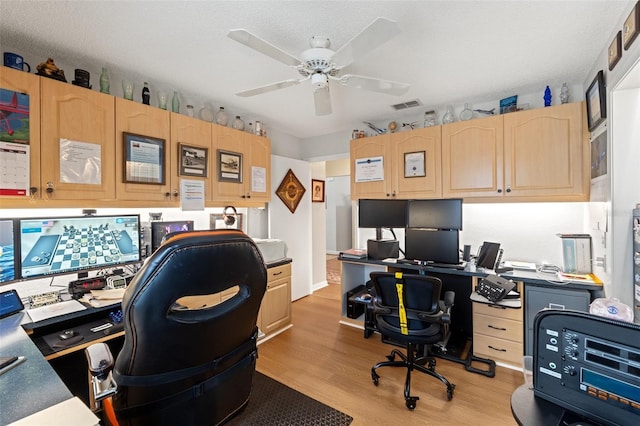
320 64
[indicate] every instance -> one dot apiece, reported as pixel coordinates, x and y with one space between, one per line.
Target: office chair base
411 363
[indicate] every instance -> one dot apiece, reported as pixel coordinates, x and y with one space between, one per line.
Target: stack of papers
57 309
585 278
353 254
523 266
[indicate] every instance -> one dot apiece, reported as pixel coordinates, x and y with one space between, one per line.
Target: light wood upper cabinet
472 158
82 121
144 120
533 155
399 182
29 84
197 134
408 145
255 165
543 151
371 149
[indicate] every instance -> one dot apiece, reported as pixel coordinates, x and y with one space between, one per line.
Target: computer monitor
8 259
436 214
431 245
380 214
61 245
160 229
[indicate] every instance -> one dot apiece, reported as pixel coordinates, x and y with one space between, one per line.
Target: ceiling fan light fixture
319 81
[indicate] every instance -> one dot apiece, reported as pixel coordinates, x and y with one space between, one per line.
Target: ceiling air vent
409 104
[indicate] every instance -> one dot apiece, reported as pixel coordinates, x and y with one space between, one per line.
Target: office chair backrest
420 297
172 353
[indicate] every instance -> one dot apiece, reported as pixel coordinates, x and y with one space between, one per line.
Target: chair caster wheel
375 378
450 392
411 402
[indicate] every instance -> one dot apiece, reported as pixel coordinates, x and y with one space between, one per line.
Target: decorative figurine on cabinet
547 97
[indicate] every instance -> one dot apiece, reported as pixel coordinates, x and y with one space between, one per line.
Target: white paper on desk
72 412
57 309
114 293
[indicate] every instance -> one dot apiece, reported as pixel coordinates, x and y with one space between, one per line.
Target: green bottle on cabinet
104 81
175 102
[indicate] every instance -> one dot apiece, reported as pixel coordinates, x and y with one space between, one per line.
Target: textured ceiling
449 51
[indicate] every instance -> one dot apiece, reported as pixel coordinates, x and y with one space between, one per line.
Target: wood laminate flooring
332 362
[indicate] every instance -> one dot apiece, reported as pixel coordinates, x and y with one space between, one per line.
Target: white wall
526 231
318 231
295 229
619 192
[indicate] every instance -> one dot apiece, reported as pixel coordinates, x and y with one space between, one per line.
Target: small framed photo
229 166
615 50
599 156
596 102
144 158
216 221
630 28
317 196
414 164
193 160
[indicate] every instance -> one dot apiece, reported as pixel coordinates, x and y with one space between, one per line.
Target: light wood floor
332 363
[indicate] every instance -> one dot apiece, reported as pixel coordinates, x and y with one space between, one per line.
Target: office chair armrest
100 363
437 318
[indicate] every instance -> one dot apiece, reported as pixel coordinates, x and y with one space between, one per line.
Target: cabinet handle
49 189
33 190
496 328
496 349
248 195
167 195
176 193
497 306
508 188
277 273
499 191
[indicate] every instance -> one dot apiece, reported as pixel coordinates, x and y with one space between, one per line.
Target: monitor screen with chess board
62 245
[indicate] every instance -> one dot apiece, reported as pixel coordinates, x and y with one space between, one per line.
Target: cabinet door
27 84
406 146
370 148
188 132
229 140
82 121
275 310
143 120
472 158
258 171
544 152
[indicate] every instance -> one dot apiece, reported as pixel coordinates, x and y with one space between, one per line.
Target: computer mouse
66 334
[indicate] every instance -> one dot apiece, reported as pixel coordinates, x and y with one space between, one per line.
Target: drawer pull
491 305
496 349
497 328
277 273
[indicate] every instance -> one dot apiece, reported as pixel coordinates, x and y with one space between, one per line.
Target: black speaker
466 254
229 218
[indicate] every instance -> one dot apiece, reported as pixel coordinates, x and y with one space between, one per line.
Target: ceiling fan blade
269 88
374 84
264 47
378 32
322 100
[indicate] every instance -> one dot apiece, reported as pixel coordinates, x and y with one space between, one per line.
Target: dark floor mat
272 403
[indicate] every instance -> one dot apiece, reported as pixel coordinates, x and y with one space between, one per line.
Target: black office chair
186 361
408 310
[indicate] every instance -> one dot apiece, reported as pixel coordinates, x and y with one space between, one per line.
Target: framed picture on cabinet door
229 166
414 164
144 158
193 160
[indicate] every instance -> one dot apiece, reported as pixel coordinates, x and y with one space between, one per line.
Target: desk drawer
497 349
498 327
498 311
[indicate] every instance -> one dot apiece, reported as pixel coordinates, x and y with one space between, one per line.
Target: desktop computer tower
383 249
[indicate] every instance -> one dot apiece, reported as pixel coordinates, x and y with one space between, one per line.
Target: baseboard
319 285
274 334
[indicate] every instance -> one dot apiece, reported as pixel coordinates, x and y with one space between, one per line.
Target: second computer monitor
436 214
160 229
430 245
